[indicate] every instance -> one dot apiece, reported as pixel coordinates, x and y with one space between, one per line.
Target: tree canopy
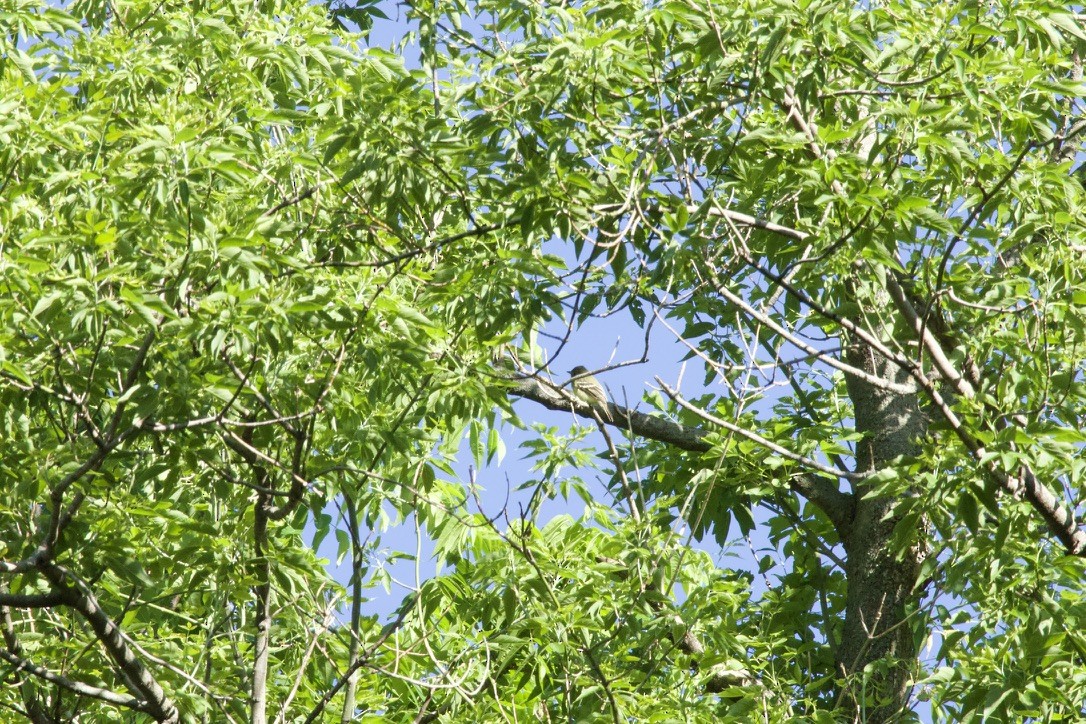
263 285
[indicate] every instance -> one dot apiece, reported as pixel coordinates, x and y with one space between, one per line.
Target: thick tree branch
135 674
76 687
358 563
31 600
264 619
769 322
654 428
819 490
1059 519
758 439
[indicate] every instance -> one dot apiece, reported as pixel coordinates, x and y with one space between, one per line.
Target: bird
589 389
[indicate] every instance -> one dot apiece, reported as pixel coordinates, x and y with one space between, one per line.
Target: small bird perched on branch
589 389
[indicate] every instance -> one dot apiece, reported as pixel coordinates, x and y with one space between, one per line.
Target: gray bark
881 577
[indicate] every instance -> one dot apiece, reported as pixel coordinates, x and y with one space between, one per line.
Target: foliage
259 282
201 311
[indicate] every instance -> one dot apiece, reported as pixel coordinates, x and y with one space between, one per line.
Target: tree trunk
881 577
